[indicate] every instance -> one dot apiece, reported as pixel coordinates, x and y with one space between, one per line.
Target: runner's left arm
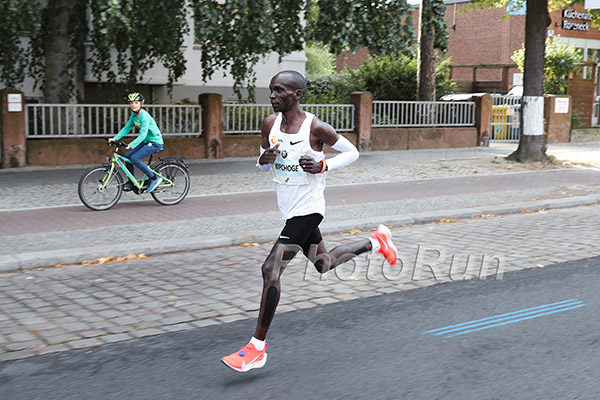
325 133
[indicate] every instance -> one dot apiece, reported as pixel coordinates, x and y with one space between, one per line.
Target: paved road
79 217
376 348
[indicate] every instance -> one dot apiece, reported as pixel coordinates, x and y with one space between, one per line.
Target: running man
292 147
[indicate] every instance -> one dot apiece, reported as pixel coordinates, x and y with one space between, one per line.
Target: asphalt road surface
532 335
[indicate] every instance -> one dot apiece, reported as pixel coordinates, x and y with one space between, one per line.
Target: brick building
487 37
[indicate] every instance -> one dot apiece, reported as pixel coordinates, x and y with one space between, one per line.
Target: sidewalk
231 202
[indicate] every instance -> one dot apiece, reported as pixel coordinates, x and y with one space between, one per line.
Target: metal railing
506 118
105 120
396 114
247 118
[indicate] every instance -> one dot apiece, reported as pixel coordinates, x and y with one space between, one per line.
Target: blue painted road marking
504 319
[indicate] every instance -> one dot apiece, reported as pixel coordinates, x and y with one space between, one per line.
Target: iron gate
506 118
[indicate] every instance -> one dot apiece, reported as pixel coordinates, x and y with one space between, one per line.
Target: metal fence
247 118
105 120
506 118
396 114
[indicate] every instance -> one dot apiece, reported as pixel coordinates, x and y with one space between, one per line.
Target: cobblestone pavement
57 309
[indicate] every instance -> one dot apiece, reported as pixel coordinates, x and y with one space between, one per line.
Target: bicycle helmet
135 97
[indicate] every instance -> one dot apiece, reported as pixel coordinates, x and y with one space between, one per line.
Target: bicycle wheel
96 196
167 194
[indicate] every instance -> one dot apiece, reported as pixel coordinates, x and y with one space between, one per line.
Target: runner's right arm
267 153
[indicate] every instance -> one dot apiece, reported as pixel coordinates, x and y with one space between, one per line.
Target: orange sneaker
384 237
246 358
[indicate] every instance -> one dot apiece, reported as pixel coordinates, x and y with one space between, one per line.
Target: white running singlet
298 193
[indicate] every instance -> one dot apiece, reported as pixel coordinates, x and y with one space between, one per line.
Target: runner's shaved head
294 79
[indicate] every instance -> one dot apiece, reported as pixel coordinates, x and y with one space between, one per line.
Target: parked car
516 91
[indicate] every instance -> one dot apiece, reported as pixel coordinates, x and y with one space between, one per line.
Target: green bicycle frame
118 160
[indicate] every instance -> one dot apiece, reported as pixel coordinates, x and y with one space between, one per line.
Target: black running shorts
302 231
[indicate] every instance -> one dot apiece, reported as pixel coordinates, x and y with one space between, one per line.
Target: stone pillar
212 125
363 117
12 129
557 117
483 117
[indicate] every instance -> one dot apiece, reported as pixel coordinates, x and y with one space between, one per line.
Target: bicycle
101 187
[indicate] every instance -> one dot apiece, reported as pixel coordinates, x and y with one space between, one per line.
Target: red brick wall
351 60
482 37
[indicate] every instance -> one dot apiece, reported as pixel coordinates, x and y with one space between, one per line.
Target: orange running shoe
246 359
384 237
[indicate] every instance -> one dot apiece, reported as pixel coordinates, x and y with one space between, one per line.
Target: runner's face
135 106
283 96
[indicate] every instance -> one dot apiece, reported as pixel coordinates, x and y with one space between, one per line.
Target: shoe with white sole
246 358
384 237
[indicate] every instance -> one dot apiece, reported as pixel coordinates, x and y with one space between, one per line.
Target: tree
17 16
58 29
532 141
128 37
384 26
433 34
119 40
560 61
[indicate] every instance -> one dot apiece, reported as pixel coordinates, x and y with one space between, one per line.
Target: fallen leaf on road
58 266
246 244
485 216
444 220
108 260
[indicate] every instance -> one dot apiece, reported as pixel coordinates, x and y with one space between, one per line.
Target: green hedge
387 77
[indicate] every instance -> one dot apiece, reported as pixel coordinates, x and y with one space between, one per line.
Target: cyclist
149 140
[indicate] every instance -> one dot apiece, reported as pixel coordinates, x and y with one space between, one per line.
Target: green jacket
148 130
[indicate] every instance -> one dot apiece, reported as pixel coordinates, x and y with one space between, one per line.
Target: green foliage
128 37
234 35
560 60
17 16
576 121
434 24
143 32
384 26
395 78
330 89
387 77
319 61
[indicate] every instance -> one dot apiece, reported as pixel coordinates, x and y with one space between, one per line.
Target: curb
19 262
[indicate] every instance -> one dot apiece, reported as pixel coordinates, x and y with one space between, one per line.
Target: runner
292 147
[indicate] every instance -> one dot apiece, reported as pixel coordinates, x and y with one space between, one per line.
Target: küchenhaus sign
576 26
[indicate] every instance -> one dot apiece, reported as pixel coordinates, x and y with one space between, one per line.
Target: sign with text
15 102
561 105
576 26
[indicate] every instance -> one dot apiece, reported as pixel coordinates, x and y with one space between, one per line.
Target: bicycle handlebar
118 144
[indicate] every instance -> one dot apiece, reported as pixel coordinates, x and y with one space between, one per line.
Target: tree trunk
532 141
63 78
425 56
